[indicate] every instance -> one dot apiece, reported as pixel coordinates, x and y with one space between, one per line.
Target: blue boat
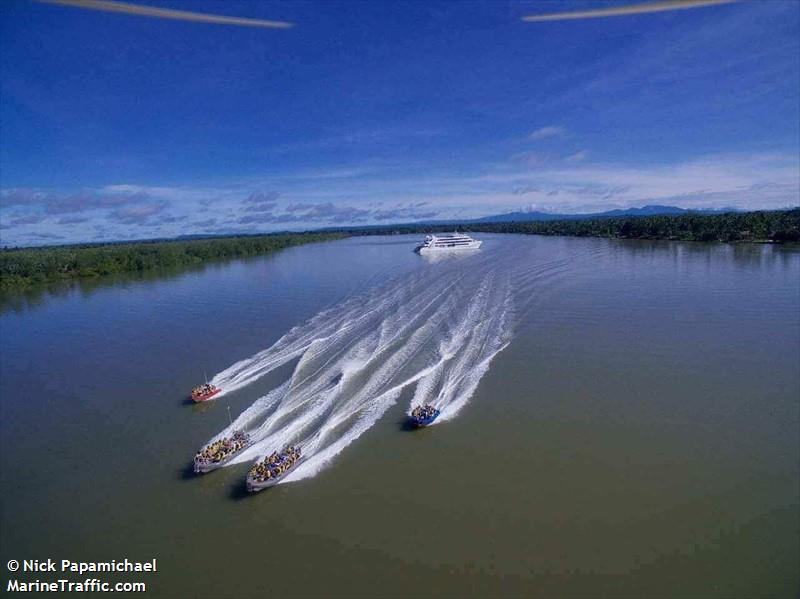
424 415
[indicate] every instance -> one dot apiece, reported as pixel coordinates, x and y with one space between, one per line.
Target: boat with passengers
272 469
448 242
220 452
424 415
204 392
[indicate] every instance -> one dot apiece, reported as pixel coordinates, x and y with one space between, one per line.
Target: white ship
448 242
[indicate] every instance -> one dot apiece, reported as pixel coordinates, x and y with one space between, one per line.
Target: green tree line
20 268
773 226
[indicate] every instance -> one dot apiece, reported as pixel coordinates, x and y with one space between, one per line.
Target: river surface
619 419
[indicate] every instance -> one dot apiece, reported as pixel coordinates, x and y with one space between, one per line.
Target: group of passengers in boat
423 412
203 389
222 448
276 464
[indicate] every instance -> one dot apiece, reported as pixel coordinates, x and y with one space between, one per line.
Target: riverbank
22 268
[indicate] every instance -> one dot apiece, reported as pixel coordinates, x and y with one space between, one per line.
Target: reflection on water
636 437
38 294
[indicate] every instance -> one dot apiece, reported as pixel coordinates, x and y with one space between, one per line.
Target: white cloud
550 131
388 194
746 181
577 156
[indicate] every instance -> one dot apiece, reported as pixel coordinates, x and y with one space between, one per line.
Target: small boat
450 242
204 392
220 452
272 469
424 415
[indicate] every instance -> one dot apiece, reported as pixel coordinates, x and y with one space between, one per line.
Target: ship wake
436 333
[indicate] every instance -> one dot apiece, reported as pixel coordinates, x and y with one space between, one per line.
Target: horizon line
435 223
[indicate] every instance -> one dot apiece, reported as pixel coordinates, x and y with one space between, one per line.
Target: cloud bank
567 183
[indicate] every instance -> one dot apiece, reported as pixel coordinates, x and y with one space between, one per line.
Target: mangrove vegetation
20 268
764 226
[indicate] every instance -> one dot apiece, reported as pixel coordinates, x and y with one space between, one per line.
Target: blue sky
120 127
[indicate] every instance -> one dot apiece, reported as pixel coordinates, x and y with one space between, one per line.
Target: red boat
204 392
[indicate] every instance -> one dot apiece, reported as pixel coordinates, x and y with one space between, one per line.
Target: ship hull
254 486
423 422
447 249
206 467
205 397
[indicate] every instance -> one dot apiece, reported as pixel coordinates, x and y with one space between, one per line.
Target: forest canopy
20 268
765 226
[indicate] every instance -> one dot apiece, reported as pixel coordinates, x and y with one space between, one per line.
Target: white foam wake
438 330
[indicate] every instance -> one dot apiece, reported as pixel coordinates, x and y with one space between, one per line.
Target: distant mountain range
509 217
513 217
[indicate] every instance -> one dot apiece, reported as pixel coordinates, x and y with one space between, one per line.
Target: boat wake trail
437 331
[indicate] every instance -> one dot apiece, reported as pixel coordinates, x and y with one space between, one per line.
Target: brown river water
618 419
